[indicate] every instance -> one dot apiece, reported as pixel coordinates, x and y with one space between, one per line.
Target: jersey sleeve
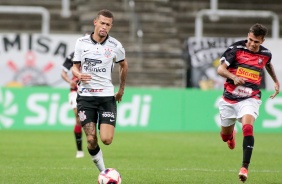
229 56
68 62
120 55
268 54
77 52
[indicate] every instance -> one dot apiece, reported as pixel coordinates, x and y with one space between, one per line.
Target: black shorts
96 109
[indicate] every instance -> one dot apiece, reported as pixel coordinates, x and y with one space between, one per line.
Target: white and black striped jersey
98 59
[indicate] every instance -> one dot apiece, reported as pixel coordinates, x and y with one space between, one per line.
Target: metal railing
215 13
65 12
136 32
45 24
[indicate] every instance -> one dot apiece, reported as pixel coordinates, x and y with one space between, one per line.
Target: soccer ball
109 176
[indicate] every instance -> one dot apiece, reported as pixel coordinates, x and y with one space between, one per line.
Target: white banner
34 59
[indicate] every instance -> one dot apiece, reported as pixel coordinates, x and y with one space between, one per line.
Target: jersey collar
97 42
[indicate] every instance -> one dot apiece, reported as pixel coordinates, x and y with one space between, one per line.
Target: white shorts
229 113
72 99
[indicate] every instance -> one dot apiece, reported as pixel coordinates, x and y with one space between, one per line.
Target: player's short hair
105 13
258 30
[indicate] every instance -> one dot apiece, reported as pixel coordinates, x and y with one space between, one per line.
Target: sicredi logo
136 112
46 108
8 108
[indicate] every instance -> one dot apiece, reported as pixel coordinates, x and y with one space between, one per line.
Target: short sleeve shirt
98 59
248 65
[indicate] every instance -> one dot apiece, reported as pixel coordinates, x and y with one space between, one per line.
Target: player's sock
248 144
78 137
97 157
225 138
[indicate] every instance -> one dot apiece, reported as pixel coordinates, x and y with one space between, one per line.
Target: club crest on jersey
82 115
108 52
260 60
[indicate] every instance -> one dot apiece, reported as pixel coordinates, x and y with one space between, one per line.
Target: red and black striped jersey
246 64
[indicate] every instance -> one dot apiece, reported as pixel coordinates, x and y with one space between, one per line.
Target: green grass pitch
45 157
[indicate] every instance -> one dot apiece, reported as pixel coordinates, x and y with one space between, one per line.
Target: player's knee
92 141
247 130
107 140
224 137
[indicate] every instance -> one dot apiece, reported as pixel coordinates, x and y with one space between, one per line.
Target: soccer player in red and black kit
67 65
242 65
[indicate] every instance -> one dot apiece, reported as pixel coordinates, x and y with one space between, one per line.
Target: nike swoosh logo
85 50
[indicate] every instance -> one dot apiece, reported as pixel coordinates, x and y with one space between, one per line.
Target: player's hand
85 78
118 96
239 81
277 89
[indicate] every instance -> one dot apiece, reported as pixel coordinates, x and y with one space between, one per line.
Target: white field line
148 169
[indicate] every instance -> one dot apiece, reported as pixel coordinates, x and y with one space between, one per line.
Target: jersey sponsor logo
90 90
112 42
89 65
247 73
92 69
242 91
108 115
92 62
268 51
99 69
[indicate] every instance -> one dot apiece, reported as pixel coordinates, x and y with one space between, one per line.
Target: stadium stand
155 56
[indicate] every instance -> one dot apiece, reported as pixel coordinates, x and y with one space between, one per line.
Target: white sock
99 161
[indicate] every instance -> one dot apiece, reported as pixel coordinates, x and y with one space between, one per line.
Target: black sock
95 151
78 140
248 144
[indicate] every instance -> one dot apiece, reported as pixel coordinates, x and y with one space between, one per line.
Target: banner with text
34 59
142 109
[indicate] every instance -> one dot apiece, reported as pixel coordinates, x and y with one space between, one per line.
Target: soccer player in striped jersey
242 65
66 67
